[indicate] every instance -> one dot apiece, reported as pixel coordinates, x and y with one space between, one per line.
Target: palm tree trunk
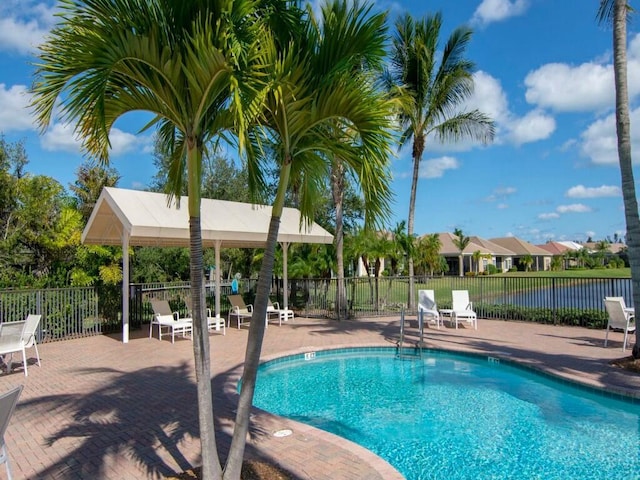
338 200
418 147
623 129
256 334
201 353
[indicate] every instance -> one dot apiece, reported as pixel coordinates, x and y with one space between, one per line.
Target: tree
428 253
90 180
431 95
617 11
527 262
178 60
316 83
461 241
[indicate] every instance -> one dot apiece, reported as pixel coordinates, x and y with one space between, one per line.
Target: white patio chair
239 310
169 321
17 337
462 308
282 314
8 401
215 323
619 318
427 306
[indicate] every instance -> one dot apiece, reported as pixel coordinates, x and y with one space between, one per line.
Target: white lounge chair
165 319
215 323
17 337
8 403
462 308
282 314
427 306
620 318
239 310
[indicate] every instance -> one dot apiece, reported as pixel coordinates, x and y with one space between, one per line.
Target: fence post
554 300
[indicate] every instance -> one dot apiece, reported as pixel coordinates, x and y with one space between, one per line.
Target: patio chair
17 337
214 323
239 310
620 318
170 321
8 401
282 314
427 307
462 308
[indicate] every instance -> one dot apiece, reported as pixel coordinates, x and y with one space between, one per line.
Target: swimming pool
454 416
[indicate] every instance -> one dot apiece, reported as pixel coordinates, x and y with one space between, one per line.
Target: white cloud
502 206
580 191
535 125
548 216
24 24
489 98
585 87
504 191
599 141
435 167
61 137
565 88
496 10
573 208
14 109
500 193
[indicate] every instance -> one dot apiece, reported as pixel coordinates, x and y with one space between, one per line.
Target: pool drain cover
283 433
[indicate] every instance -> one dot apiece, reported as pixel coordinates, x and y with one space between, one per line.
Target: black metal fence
77 312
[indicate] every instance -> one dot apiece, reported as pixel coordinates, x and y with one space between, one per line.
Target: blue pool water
457 417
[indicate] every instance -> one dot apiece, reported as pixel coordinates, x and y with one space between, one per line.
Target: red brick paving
100 409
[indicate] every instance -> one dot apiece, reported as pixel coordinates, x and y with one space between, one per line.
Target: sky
543 73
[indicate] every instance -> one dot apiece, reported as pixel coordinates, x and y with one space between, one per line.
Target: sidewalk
99 409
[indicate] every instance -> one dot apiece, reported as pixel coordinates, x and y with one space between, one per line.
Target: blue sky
544 74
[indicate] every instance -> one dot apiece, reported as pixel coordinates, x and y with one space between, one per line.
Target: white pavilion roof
147 219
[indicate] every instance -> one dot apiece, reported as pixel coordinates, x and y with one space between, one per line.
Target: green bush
596 319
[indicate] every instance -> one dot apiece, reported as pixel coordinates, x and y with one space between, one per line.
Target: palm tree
461 241
315 84
432 95
617 11
185 63
428 251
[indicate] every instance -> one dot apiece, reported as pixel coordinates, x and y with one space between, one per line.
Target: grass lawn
586 273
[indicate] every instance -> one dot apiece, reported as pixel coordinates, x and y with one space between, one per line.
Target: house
522 249
501 257
452 254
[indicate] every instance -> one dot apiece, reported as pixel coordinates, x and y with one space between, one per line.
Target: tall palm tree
185 63
316 83
432 85
617 11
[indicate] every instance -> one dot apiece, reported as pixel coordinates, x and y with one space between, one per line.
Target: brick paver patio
100 409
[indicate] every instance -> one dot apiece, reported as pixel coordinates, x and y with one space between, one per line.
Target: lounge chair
620 318
274 311
239 310
164 318
17 337
462 308
8 403
214 323
427 307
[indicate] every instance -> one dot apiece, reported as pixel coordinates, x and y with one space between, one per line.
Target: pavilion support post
125 288
285 275
217 247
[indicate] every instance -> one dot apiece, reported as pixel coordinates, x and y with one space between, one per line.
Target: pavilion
136 218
